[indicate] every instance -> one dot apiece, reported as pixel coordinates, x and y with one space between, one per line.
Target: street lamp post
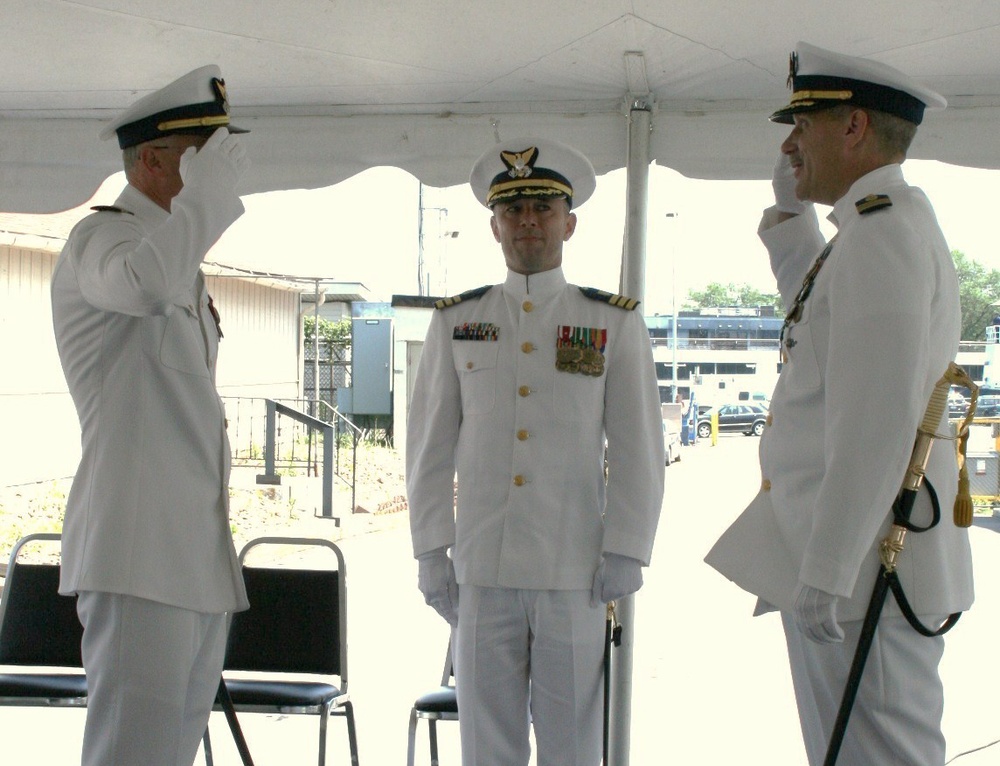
673 311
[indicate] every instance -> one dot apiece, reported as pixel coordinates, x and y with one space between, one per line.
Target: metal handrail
331 448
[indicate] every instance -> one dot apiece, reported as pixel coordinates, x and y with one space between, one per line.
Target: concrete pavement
711 683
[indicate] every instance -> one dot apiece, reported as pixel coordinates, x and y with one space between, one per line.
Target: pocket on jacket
183 345
476 366
578 397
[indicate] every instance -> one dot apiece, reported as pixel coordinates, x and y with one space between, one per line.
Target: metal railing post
269 476
328 474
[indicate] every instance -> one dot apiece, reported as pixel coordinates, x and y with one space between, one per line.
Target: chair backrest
37 625
297 620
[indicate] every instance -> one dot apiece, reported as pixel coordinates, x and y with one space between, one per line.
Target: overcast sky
365 230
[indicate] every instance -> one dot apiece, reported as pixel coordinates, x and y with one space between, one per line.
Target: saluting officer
872 322
146 541
520 387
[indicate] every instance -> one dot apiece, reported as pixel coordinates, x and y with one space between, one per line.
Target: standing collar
542 283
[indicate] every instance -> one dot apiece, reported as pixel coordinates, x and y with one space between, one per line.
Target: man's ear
150 160
493 226
857 127
570 226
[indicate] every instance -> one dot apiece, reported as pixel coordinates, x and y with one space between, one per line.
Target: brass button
770 419
519 481
522 435
523 391
468 365
527 347
765 485
527 305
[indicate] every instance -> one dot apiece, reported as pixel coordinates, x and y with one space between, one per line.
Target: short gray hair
893 134
129 157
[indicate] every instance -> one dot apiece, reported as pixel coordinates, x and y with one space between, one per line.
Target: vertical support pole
270 429
316 390
633 285
269 437
328 472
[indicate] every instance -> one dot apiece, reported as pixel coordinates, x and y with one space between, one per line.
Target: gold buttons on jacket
519 481
770 419
765 485
523 391
527 305
468 365
527 347
522 435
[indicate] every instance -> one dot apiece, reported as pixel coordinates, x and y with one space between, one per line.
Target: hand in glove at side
815 613
616 577
220 163
436 580
783 183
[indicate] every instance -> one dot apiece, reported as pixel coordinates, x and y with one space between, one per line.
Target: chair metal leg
433 734
411 737
352 733
207 743
323 718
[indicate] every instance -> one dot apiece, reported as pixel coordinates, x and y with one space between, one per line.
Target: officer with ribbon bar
872 323
520 388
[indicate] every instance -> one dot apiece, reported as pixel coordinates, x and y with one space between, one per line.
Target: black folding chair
440 704
288 653
39 629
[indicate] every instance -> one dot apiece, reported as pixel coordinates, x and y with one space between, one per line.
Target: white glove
815 615
783 183
436 580
616 577
221 161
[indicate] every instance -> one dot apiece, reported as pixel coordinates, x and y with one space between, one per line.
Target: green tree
331 333
979 291
717 294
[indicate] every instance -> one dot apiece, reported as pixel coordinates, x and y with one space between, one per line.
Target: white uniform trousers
152 675
529 657
896 719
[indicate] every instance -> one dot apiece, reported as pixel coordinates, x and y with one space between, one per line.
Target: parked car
988 406
746 418
671 442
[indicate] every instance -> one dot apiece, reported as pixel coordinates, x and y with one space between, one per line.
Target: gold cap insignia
520 164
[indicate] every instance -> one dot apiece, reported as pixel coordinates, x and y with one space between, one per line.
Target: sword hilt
892 545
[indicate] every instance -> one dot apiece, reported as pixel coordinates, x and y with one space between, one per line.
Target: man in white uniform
873 322
146 539
519 387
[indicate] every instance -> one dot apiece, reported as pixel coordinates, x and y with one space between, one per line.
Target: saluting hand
221 161
783 183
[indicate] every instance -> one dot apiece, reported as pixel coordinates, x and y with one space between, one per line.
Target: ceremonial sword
892 545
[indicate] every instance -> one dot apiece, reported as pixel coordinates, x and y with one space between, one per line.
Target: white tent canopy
330 88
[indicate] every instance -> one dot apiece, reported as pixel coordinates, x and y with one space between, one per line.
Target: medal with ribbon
581 349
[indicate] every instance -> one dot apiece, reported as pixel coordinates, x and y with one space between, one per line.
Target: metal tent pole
633 284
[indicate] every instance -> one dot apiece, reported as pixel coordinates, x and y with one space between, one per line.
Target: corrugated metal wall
39 436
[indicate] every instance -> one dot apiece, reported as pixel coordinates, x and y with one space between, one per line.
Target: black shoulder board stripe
111 209
468 295
621 301
873 202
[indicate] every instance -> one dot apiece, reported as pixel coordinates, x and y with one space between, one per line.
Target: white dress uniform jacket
527 440
878 331
147 515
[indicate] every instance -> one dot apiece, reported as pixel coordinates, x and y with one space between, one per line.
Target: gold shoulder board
454 300
603 296
872 203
